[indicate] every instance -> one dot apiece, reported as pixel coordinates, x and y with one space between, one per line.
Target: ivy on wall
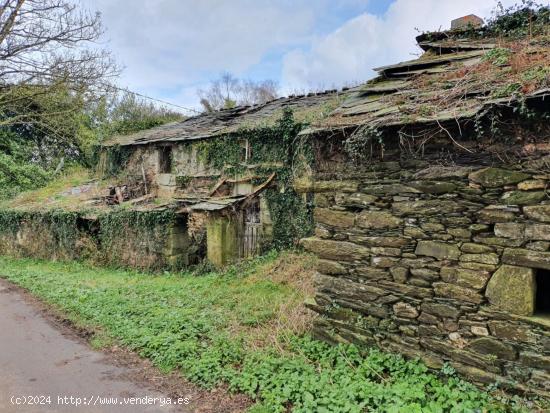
278 149
118 238
57 226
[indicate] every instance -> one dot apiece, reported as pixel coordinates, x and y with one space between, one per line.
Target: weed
202 326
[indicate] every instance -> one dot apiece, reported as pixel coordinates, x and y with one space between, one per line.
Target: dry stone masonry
444 263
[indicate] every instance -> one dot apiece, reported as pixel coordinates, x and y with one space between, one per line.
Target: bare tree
42 41
229 91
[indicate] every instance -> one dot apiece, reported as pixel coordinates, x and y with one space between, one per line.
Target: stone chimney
465 22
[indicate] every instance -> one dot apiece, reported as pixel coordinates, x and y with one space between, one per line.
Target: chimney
466 22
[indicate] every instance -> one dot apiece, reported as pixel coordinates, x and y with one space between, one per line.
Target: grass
246 328
55 194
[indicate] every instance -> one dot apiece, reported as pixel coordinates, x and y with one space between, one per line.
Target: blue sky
171 48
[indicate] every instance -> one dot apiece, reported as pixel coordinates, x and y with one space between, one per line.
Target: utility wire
154 99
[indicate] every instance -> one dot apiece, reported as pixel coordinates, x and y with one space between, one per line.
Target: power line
154 99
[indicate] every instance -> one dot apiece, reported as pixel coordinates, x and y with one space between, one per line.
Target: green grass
205 326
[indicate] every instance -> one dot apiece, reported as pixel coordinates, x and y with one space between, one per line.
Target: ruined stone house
221 204
436 243
429 186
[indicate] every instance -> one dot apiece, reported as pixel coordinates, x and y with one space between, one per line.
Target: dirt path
42 356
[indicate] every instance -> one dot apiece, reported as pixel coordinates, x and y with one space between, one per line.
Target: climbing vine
146 229
279 149
50 230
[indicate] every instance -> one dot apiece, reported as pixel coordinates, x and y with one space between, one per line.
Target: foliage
521 19
125 113
276 149
58 227
361 145
499 56
193 324
18 175
147 229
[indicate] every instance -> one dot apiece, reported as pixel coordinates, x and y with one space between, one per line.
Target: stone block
486 258
528 258
335 250
377 220
440 310
427 207
513 332
496 177
384 262
457 292
387 251
490 346
402 309
372 273
330 267
465 277
537 232
472 248
513 289
510 230
523 197
338 219
462 233
535 360
479 331
439 250
434 187
395 242
491 215
433 227
538 212
532 184
399 274
308 185
390 189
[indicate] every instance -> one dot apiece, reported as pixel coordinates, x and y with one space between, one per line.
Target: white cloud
168 45
349 53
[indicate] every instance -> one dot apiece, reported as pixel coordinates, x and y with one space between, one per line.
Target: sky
171 48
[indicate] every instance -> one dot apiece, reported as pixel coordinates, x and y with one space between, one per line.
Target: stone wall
38 235
189 172
439 263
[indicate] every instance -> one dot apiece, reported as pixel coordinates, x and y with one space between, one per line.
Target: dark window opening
165 160
542 303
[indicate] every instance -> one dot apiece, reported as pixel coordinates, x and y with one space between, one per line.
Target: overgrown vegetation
276 149
526 18
209 328
120 238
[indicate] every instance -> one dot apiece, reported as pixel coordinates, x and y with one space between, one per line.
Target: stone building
432 212
215 168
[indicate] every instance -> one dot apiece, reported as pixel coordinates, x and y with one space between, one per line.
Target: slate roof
208 125
454 79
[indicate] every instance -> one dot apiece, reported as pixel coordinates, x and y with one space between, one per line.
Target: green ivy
60 224
278 149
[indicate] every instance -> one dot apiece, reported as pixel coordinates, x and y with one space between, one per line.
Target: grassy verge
245 328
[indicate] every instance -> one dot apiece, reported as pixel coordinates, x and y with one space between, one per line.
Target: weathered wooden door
252 230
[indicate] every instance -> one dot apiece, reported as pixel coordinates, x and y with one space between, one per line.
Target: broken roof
456 78
227 121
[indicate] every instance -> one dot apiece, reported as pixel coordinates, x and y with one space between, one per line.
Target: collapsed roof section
456 78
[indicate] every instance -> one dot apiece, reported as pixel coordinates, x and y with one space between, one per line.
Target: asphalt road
39 359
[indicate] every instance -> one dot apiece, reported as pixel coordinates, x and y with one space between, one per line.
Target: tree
47 45
47 40
229 91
